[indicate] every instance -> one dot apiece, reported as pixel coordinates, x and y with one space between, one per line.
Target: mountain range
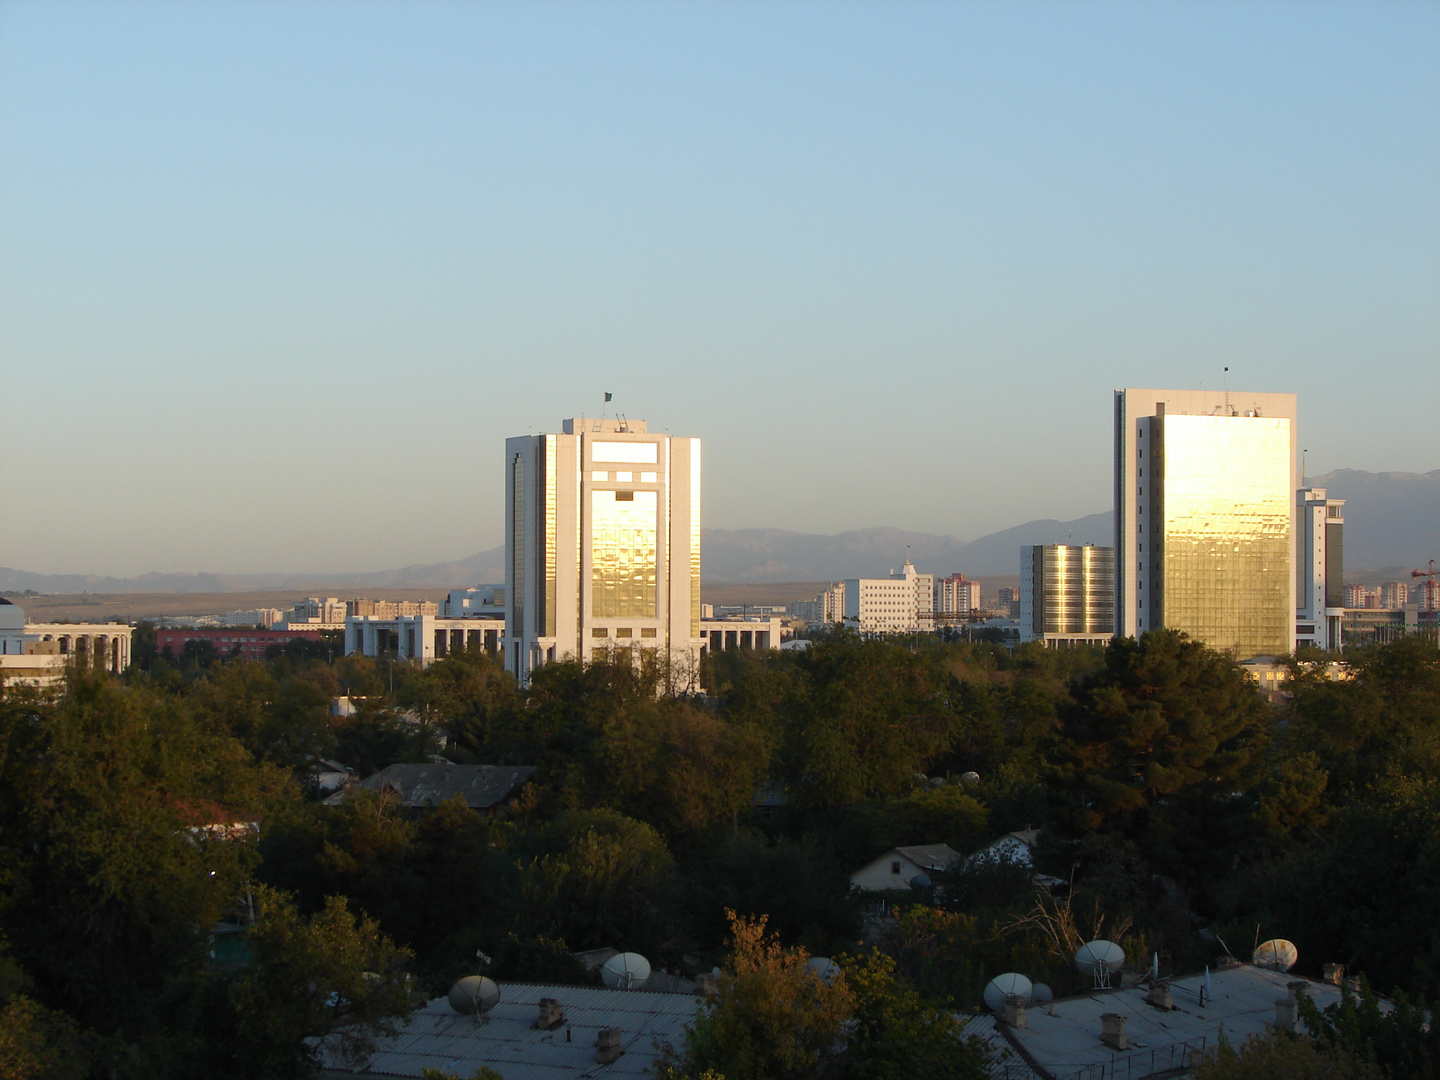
1392 520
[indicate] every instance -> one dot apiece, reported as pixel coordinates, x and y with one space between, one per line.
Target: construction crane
1425 573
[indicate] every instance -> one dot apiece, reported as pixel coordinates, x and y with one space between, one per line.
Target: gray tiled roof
429 785
505 1039
930 856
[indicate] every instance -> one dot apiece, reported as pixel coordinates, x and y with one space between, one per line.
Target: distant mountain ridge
1392 519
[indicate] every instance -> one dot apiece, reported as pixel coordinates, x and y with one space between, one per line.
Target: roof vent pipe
1159 996
1333 973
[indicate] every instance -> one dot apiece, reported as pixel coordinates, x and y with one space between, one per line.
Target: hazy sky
277 280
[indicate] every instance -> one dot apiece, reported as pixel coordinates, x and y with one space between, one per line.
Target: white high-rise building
602 547
1320 591
1205 508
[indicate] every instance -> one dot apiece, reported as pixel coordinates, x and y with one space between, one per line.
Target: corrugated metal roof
1064 1039
504 1039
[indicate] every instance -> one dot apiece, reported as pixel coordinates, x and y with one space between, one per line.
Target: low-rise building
424 638
244 644
740 633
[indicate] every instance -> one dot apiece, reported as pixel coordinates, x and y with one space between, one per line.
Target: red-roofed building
228 641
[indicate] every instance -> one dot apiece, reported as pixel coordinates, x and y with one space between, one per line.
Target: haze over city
278 280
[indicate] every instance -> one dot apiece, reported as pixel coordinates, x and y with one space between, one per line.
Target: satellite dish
626 971
1277 954
970 779
1096 956
1041 994
1100 959
823 968
1011 984
473 995
920 882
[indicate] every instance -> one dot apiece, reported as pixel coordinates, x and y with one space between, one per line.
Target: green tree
769 1019
1279 1056
328 984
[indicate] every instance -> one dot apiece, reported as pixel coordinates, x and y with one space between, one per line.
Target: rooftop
482 786
1063 1040
507 1040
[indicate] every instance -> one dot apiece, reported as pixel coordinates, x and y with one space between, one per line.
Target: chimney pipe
1333 973
1160 996
1112 1031
1285 1014
607 1046
1015 1011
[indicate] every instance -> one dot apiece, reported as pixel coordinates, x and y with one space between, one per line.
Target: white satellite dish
1100 959
473 995
823 968
625 971
1004 986
969 779
1041 994
1277 954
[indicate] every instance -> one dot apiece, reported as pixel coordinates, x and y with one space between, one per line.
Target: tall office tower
1320 592
1067 594
602 546
1204 517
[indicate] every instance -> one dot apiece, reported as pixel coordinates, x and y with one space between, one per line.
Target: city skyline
271 273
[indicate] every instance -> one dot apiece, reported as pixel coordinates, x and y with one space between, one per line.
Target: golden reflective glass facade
1074 589
623 537
1220 528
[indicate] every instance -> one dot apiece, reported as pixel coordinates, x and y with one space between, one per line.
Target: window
649 478
599 631
895 866
647 631
600 475
624 496
624 477
624 631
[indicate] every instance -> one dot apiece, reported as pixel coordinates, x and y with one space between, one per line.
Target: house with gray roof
483 787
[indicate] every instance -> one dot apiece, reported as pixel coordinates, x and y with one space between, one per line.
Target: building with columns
37 653
602 546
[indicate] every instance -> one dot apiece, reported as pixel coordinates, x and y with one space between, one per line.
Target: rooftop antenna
1302 465
1227 393
600 424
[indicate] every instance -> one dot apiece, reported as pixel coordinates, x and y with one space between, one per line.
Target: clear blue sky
276 280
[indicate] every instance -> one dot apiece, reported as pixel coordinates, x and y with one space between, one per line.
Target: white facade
482 600
37 653
1205 517
741 633
421 637
1320 591
602 547
898 604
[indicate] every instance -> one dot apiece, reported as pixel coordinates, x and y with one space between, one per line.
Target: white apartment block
602 546
956 597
